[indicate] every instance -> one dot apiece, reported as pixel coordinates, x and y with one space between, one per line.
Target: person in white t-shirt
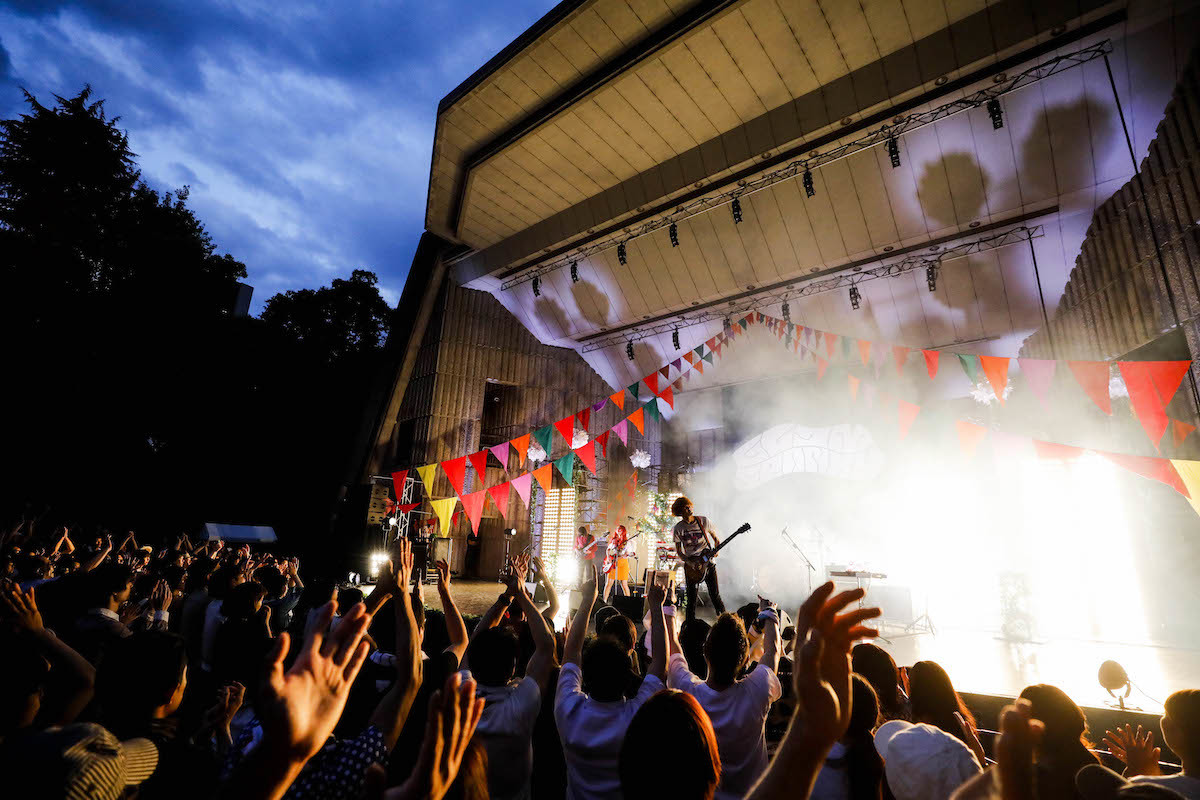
590 708
738 708
1181 731
510 706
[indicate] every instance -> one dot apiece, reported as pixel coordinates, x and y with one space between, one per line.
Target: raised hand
160 596
1019 735
402 561
588 588
443 571
656 594
454 713
20 608
299 708
1136 749
971 738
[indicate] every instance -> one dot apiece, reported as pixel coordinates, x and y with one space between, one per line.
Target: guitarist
617 563
693 535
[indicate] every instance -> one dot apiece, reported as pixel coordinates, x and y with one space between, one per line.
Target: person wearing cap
1181 731
75 762
922 762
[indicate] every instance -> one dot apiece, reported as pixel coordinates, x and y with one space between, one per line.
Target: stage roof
608 120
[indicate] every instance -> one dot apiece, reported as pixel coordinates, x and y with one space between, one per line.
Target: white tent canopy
260 534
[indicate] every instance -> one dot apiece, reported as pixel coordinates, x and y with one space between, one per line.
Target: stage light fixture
786 311
629 350
996 112
621 254
727 325
574 272
855 297
807 180
537 287
893 148
376 562
673 232
931 277
675 338
736 208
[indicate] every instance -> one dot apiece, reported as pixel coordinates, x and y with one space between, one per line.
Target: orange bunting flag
908 414
456 471
669 396
473 505
479 462
521 445
996 369
544 476
830 341
1053 451
899 353
854 382
566 429
638 420
931 362
1093 377
864 351
969 436
587 454
822 364
690 357
700 367
1151 385
1180 431
500 497
618 399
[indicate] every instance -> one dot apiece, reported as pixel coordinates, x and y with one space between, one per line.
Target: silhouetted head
725 649
492 655
669 729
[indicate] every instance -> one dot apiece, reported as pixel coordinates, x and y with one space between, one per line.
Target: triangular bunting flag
544 476
1151 385
479 462
622 430
566 429
587 454
1156 469
443 509
398 479
864 351
668 396
603 440
900 354
651 381
969 436
473 505
931 362
407 507
970 365
566 465
665 371
500 497
996 370
521 445
1053 451
599 404
699 351
651 409
908 414
678 384
584 418
717 350
1039 374
637 418
633 389
708 356
854 382
1180 431
699 367
830 343
427 473
522 484
690 357
677 364
1093 377
500 451
1189 473
456 471
822 365
1167 375
618 400
544 436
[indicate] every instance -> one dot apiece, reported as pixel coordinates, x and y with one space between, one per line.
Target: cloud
303 129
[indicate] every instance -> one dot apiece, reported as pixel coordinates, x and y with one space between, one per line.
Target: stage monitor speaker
629 606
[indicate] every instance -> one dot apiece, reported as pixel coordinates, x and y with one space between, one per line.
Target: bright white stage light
376 562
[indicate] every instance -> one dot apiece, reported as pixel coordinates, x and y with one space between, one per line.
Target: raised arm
542 660
98 559
551 610
573 650
658 632
456 629
771 641
394 706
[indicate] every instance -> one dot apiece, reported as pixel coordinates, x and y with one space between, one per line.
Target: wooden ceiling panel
682 274
653 14
576 186
486 200
747 52
613 103
732 247
578 52
921 153
888 25
994 151
659 80
687 72
1068 104
820 48
1035 161
607 296
764 208
924 18
964 178
596 173
510 84
790 197
991 292
511 179
700 230
615 135
710 52
555 190
620 18
599 36
605 152
864 169
530 71
851 32
644 267
550 60
655 113
636 305
698 267
781 45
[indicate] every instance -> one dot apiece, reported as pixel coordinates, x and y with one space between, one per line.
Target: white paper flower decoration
535 452
581 438
640 459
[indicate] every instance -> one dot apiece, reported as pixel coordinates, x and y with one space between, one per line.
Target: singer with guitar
616 564
693 537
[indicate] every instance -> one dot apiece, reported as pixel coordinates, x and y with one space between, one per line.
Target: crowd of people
207 670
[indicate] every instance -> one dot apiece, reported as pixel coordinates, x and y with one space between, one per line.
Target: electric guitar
614 551
696 567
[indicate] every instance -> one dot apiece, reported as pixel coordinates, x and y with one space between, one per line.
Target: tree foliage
347 318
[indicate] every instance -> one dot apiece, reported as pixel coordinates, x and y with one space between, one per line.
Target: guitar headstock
745 527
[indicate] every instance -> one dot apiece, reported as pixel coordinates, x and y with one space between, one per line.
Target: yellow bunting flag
427 473
444 509
1189 473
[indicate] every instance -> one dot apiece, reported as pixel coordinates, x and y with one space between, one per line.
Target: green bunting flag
744 323
708 357
566 465
633 389
700 351
970 366
544 437
652 408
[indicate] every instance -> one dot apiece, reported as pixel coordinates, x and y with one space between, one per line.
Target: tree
347 318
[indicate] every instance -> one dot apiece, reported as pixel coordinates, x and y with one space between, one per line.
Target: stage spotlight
786 311
537 286
807 179
574 272
736 208
727 326
376 562
621 254
675 338
629 350
673 232
1114 678
996 112
855 297
931 277
893 148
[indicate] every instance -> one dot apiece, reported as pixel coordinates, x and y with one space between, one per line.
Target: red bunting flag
479 462
566 429
854 382
407 507
830 341
1093 377
822 364
587 454
711 343
908 414
456 471
665 371
651 380
584 418
864 351
1053 451
500 497
1156 469
618 399
996 370
473 505
931 362
603 440
638 420
398 479
1180 431
545 477
1151 385
521 445
900 354
969 436
1039 373
669 396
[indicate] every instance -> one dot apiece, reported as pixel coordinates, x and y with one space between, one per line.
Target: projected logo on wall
837 451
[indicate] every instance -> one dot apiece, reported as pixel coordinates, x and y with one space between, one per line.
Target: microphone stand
792 543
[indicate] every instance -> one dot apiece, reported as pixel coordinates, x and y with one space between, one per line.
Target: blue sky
304 129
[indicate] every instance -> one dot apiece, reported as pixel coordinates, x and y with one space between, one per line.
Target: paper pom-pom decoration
581 438
535 452
640 459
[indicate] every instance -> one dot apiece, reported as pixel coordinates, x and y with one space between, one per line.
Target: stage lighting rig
621 254
537 287
574 272
931 277
996 112
736 208
629 350
893 148
675 338
786 311
855 297
807 180
673 232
